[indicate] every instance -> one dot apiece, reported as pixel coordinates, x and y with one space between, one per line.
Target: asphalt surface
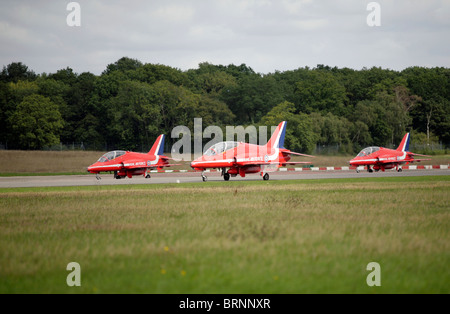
192 177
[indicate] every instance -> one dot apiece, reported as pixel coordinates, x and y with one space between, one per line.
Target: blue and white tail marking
158 146
404 145
277 139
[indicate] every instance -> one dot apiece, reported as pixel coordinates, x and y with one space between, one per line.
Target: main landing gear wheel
399 170
148 176
226 176
97 176
204 178
266 177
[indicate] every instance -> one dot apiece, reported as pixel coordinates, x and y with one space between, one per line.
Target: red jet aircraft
385 158
129 164
235 158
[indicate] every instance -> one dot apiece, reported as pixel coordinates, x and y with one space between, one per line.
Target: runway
192 177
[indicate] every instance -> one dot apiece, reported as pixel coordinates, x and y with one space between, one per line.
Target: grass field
241 237
75 162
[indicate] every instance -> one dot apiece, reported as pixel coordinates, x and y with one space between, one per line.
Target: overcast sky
267 35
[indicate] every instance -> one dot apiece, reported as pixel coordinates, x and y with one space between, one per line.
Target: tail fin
404 145
158 147
277 139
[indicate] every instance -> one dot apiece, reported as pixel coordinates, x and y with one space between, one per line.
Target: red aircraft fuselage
129 164
235 158
242 158
380 158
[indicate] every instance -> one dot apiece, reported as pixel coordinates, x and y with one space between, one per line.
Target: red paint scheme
129 164
380 158
235 158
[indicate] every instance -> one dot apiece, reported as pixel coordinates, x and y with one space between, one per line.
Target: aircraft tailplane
158 146
277 139
404 145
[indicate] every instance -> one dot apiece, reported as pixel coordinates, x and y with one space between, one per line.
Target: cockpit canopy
368 150
111 155
221 147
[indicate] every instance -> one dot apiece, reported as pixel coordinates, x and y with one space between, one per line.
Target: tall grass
252 237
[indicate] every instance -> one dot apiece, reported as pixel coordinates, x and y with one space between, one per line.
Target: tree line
131 103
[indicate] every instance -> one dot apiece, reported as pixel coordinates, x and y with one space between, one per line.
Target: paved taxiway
192 177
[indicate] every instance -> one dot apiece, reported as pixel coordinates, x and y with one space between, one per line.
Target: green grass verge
311 236
46 174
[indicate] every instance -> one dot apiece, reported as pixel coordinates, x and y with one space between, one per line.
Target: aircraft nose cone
352 160
91 167
196 163
355 161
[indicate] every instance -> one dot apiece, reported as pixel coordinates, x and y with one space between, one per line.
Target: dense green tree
252 97
83 113
124 65
321 92
331 129
131 103
214 112
214 83
360 135
394 116
16 71
299 135
381 133
373 114
21 89
168 98
36 123
53 89
430 84
433 112
66 76
12 94
107 86
7 107
152 73
135 119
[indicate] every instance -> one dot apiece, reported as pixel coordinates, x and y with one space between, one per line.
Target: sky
266 35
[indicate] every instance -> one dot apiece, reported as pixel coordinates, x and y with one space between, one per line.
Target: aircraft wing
298 154
166 165
413 154
295 162
414 160
263 163
166 158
